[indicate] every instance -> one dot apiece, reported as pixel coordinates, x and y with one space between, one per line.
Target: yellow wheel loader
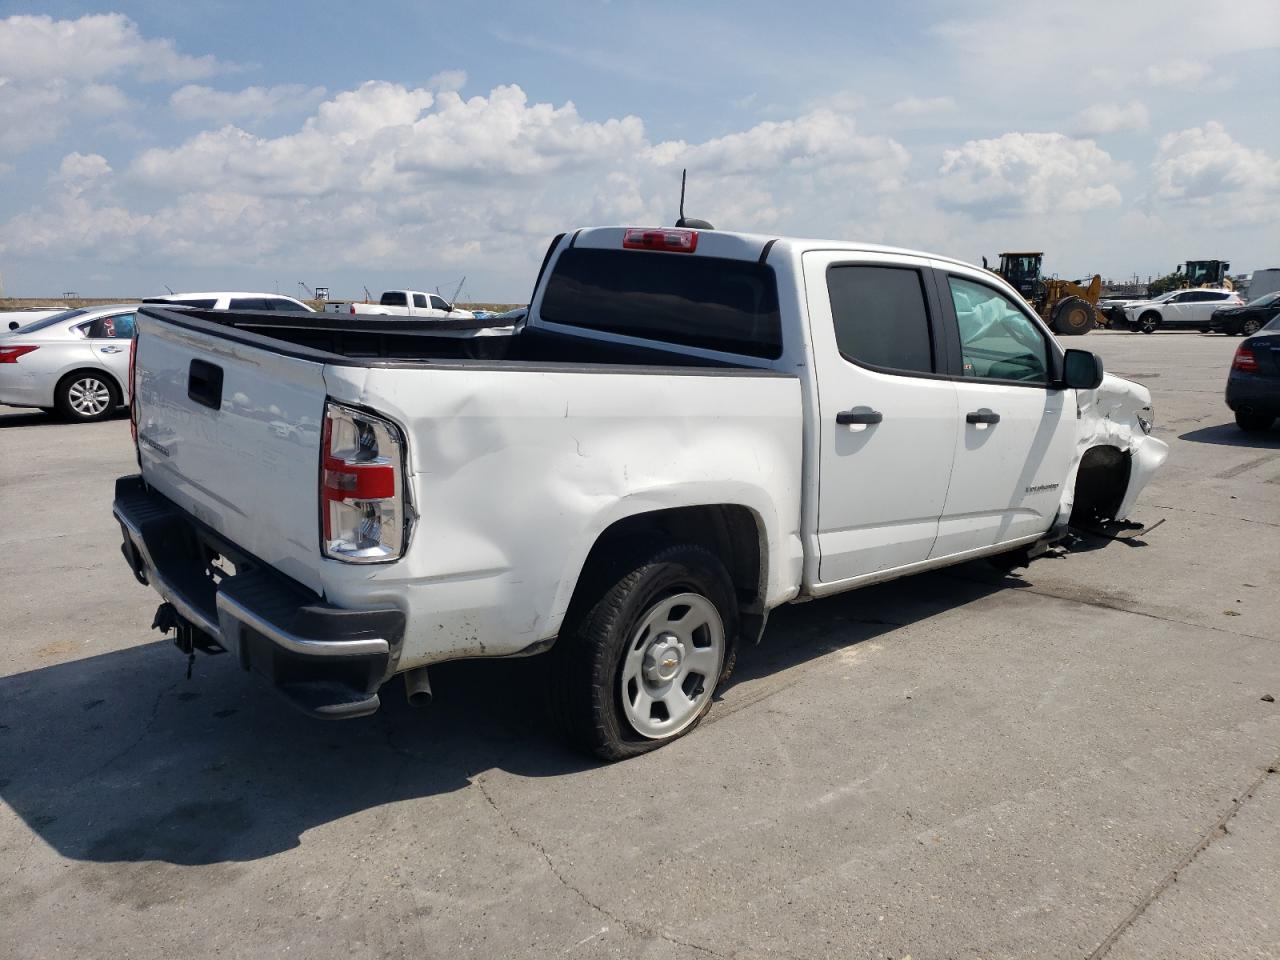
1070 309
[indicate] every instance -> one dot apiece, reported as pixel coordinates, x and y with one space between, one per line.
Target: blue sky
237 146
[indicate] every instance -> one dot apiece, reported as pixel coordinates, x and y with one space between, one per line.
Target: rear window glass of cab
695 301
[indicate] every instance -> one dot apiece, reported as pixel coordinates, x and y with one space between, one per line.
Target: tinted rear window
249 303
707 302
198 304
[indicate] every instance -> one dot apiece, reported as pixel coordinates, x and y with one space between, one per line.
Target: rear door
109 339
1015 431
887 416
231 433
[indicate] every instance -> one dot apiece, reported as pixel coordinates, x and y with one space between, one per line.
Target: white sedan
75 362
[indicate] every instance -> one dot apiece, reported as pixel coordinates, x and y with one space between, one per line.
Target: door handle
982 416
849 418
111 349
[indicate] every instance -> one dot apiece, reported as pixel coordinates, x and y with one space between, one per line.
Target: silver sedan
75 362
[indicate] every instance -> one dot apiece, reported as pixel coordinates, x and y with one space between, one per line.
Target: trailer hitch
187 637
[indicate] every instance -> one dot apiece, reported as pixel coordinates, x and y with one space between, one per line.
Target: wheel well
97 372
729 531
1101 482
1151 314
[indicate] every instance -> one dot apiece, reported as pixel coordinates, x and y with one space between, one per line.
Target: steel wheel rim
671 664
89 397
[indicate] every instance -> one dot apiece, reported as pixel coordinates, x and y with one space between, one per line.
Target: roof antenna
691 222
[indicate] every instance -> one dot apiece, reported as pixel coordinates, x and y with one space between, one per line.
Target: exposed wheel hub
663 658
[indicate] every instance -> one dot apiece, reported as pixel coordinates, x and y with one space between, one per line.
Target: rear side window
249 303
706 302
880 317
420 301
287 306
394 298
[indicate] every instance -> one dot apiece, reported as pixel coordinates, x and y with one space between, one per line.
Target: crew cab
411 303
233 300
689 429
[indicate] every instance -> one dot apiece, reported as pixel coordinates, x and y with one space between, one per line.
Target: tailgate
231 433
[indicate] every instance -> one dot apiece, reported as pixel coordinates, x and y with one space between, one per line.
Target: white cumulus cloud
196 102
1027 173
1104 118
1205 166
54 71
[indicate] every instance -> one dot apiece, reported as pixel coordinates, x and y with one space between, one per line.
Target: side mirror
1081 370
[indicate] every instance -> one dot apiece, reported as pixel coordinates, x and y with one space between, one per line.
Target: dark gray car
1253 385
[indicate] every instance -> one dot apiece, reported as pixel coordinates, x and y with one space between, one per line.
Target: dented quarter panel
1109 418
514 473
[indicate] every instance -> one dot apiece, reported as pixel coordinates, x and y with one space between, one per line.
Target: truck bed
339 339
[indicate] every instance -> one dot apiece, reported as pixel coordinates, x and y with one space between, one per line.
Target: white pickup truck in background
411 303
690 428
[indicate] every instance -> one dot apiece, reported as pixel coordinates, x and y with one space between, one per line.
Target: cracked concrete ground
1070 762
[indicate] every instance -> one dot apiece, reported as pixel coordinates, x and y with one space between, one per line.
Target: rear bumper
326 660
1251 393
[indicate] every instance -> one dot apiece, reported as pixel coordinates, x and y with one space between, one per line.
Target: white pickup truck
689 429
411 303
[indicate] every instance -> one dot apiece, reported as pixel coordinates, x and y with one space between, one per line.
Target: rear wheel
1253 422
1251 326
86 395
640 659
1148 322
1072 317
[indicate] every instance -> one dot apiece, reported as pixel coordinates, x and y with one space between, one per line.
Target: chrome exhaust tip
417 686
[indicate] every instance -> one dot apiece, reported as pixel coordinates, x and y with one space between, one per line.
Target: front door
886 431
1017 431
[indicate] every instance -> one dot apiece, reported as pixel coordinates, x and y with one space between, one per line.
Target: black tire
1254 422
1251 326
73 390
1149 322
587 661
1072 317
1205 329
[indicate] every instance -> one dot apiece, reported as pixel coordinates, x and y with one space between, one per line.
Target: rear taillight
362 500
11 354
1245 361
673 241
353 309
133 388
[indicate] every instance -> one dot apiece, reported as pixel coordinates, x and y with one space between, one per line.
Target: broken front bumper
328 661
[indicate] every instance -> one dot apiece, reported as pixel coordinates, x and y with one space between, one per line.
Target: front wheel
86 396
1148 322
640 659
1253 422
1072 317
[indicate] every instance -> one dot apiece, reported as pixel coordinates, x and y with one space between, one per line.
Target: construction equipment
1068 308
1211 274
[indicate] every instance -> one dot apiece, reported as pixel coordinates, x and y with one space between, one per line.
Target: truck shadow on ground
1228 434
119 758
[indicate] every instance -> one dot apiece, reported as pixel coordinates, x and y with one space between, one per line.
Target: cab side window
420 301
117 327
438 303
881 318
997 340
